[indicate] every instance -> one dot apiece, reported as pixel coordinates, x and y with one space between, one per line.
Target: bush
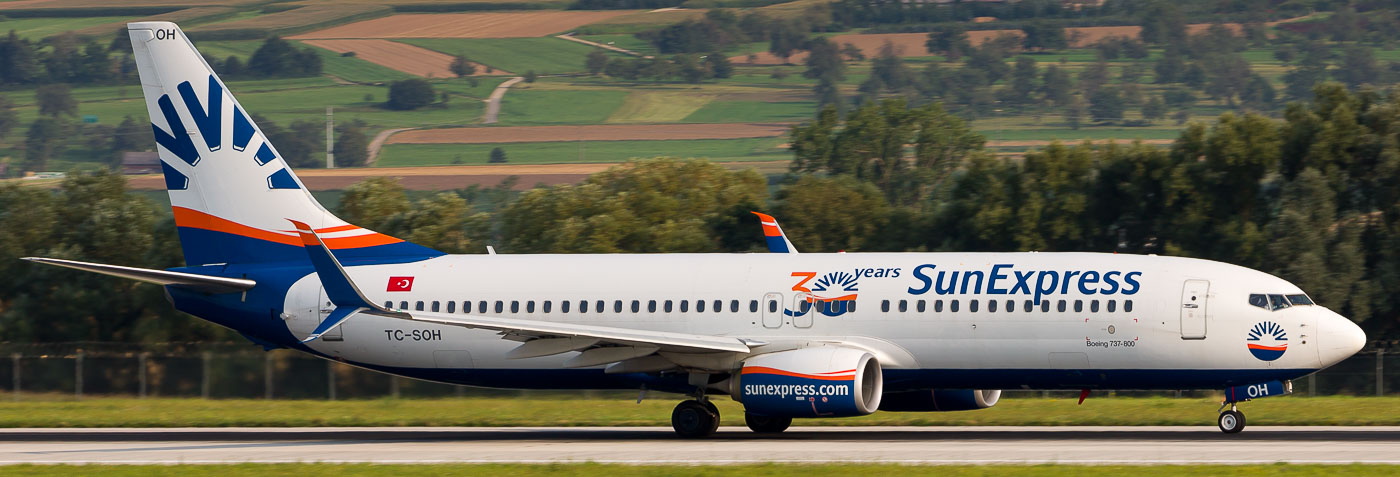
410 94
498 156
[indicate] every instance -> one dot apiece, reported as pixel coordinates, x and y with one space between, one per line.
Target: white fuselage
1168 322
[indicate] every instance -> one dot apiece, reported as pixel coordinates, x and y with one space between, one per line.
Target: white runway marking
732 445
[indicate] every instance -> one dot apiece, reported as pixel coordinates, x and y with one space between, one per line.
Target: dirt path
378 142
597 132
493 104
601 45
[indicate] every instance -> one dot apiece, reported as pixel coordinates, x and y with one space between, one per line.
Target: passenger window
436 306
685 305
972 306
1093 306
403 305
467 307
481 306
1028 306
637 306
719 306
651 306
1010 305
884 306
1112 306
667 306
1278 302
546 305
388 304
1299 300
938 306
772 306
564 306
617 306
500 306
530 306
991 306
699 306
953 306
903 306
1044 306
515 306
1061 306
753 306
1078 306
451 307
418 306
1259 300
1127 306
921 306
733 306
598 306
851 306
583 306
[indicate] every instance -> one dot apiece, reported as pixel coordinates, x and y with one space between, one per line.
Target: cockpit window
1299 300
1278 302
1259 300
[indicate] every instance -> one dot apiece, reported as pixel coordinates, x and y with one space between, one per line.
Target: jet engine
826 381
938 400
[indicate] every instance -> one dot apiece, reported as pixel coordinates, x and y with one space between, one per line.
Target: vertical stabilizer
231 191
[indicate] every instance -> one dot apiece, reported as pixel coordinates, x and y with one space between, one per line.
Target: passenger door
802 310
1193 309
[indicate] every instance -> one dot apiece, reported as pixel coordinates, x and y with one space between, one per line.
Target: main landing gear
767 424
1232 421
695 418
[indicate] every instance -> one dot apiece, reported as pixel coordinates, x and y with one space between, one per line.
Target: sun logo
834 294
1267 341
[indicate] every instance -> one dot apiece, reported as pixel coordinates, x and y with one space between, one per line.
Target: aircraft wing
556 337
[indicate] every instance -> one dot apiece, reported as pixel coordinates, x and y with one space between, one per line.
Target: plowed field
603 132
465 25
403 57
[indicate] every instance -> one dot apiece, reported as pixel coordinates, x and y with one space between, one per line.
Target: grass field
753 111
523 411
755 149
763 470
657 107
356 70
516 55
626 42
523 106
39 28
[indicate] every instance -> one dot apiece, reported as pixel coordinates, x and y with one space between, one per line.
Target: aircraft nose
1340 338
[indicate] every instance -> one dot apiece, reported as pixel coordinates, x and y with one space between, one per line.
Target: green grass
39 28
356 70
518 411
517 55
753 111
749 149
523 105
626 42
624 470
657 106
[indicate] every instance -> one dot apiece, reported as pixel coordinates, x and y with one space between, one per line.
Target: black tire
713 410
692 419
1231 422
767 424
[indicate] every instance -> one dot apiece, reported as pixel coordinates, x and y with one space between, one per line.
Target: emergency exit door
1193 309
772 310
325 308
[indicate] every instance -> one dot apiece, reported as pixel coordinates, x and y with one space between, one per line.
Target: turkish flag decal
400 284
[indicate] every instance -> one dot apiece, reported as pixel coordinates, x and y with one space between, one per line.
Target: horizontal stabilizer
203 283
338 316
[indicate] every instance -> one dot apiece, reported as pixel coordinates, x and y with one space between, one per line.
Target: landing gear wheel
767 424
693 419
1231 422
713 410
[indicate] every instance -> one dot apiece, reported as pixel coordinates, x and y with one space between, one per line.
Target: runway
732 445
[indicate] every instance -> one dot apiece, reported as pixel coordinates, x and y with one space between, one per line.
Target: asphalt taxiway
649 445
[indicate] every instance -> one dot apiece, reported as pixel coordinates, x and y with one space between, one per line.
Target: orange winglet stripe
779 372
199 220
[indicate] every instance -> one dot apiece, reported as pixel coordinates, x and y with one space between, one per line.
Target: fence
216 371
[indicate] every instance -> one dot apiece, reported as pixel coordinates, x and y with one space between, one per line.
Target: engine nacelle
825 381
939 400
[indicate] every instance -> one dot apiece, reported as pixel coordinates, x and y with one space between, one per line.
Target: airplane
787 335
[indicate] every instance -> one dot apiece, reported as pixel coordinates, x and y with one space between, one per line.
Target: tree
1042 36
1056 85
351 145
1358 67
1074 112
948 40
719 65
824 61
1258 94
1106 105
831 214
1169 68
410 94
596 62
1154 109
19 63
373 202
530 76
1227 75
1093 77
442 222
498 156
784 39
461 66
890 69
56 99
691 70
1023 79
852 52
277 57
8 118
47 138
131 136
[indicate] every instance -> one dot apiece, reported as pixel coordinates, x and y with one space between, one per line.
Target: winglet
777 240
342 292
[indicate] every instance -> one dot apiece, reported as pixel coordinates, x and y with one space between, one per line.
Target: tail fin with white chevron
231 192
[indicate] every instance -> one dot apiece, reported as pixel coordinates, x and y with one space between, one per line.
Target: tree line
1313 197
68 59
